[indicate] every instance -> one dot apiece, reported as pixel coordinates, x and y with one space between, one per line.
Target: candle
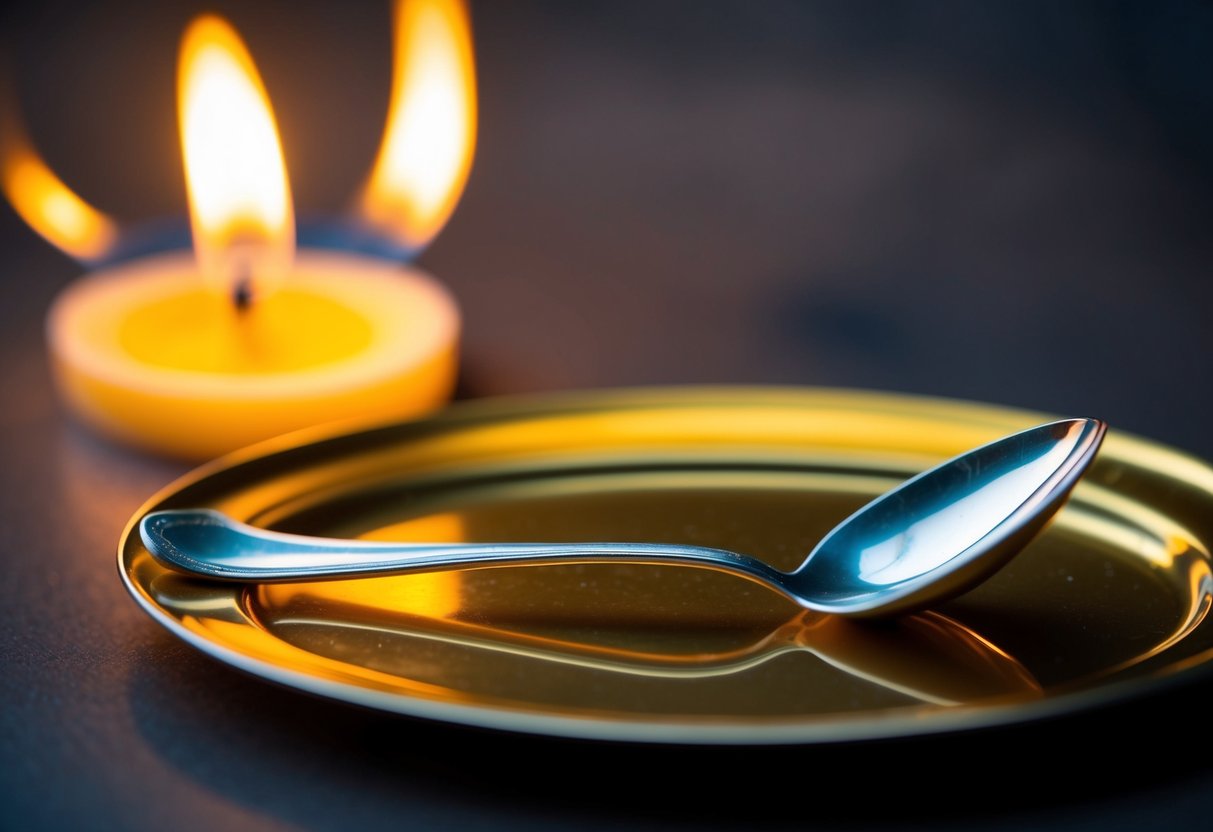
145 354
192 354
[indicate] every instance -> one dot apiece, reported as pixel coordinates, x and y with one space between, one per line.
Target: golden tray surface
1108 603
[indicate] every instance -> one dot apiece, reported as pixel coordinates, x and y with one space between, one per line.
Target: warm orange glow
432 594
49 206
427 148
240 201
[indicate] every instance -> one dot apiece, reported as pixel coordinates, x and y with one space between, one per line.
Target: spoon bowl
933 537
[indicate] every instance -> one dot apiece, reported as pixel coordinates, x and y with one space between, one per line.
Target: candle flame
426 152
240 202
45 203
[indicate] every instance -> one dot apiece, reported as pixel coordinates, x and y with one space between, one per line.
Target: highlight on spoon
947 529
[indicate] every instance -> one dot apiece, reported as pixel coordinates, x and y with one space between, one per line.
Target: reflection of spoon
936 535
926 656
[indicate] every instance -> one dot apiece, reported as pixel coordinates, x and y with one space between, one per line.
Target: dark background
1004 202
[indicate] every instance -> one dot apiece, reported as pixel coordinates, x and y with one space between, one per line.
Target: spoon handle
207 543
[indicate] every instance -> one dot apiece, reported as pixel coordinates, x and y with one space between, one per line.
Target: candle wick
242 291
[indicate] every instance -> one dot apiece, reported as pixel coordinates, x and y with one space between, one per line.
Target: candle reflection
430 135
42 199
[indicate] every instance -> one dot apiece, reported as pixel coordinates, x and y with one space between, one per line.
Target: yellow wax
146 354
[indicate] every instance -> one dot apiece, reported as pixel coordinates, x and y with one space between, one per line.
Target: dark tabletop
998 202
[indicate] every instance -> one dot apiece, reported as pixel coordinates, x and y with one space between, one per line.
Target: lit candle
194 354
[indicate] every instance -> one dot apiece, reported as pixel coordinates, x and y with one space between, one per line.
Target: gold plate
1108 603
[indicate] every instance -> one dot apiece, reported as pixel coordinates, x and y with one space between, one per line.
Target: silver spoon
935 536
